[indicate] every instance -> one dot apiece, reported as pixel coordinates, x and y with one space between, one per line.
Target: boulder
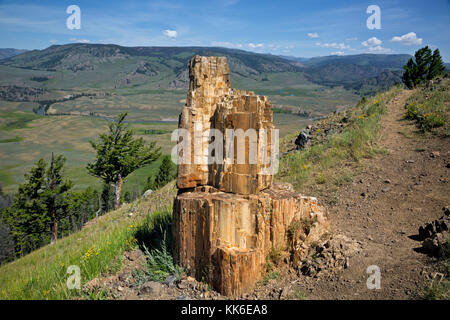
147 193
302 139
152 288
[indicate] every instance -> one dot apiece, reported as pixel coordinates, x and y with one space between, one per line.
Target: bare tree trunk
54 228
118 190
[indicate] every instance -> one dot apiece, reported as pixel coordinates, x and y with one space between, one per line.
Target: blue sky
297 28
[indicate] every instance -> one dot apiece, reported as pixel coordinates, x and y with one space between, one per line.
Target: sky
297 28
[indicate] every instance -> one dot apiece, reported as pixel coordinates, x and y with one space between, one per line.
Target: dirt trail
383 209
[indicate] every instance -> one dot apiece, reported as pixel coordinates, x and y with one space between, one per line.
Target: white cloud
374 46
313 35
257 45
351 39
80 40
378 49
408 39
372 42
170 33
53 41
335 45
338 53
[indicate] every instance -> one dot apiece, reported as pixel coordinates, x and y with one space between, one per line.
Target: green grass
15 139
96 249
5 175
153 238
317 164
429 106
16 120
299 295
272 275
161 264
438 288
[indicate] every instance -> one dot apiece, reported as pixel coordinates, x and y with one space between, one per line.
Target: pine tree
41 201
27 216
165 173
119 154
107 198
423 59
54 194
425 66
409 74
83 206
437 67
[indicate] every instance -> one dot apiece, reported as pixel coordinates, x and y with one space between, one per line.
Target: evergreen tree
27 216
425 66
83 206
41 201
437 67
423 59
54 194
167 171
119 154
6 240
409 74
127 197
107 198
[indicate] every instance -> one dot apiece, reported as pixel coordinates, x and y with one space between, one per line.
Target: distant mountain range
365 73
10 52
107 65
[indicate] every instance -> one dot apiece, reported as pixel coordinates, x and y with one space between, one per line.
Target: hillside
379 175
164 67
146 61
364 73
10 52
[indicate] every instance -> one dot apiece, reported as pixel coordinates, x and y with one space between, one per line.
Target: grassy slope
95 249
42 274
324 164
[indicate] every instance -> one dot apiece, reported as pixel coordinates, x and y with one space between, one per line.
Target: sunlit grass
96 249
325 163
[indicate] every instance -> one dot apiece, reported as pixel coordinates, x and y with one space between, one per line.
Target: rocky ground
375 222
383 209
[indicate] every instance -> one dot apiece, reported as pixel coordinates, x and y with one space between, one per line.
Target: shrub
160 263
428 107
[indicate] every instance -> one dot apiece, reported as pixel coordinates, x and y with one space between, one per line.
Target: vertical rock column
209 81
228 216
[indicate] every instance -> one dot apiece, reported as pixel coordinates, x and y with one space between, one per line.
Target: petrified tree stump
228 215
